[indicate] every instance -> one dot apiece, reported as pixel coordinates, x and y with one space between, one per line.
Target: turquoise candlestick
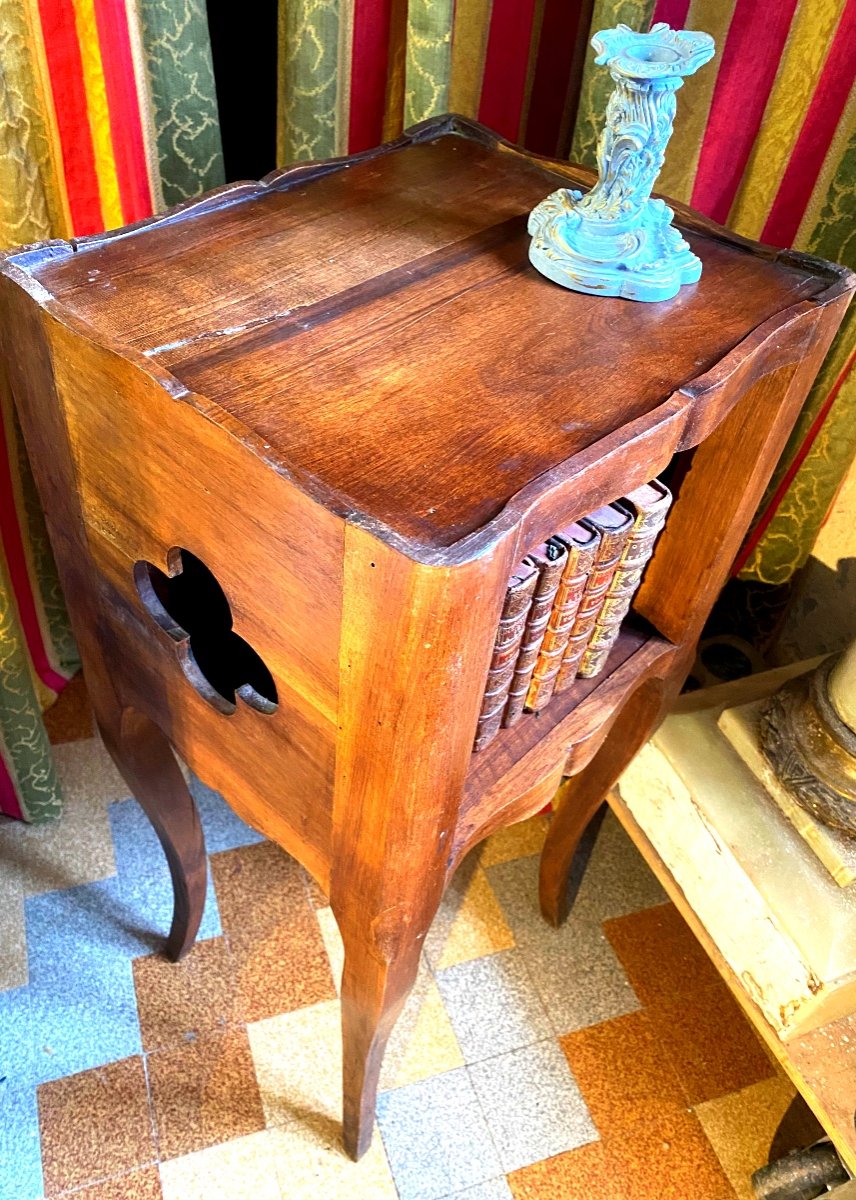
616 240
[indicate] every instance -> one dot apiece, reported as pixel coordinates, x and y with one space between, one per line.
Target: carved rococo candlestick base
616 240
810 745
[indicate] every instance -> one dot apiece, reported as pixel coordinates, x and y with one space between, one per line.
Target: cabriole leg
580 797
145 759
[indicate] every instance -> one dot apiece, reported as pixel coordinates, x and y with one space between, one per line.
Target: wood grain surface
346 392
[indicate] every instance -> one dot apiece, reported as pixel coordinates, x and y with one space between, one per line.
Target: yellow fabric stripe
343 91
469 46
98 111
804 55
679 171
823 194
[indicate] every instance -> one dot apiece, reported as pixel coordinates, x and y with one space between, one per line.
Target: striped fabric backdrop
765 141
108 111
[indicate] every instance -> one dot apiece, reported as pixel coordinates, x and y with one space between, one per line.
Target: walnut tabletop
382 330
293 438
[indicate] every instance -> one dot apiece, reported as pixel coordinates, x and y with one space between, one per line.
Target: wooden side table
293 438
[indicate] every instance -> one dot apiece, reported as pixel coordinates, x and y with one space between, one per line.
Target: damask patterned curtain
765 142
107 111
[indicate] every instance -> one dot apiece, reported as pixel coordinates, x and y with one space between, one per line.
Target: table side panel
144 471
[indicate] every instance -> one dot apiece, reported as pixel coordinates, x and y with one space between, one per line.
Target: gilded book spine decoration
550 559
565 605
613 524
509 634
582 542
647 506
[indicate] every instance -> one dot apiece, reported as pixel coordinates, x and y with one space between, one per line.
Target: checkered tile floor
605 1059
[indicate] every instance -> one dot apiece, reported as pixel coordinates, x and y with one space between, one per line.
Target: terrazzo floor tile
176 1001
94 1125
60 854
494 1189
515 841
423 1041
713 1048
470 921
436 1137
670 1159
311 1165
298 1065
623 1071
741 1127
532 1104
82 1000
204 1092
243 1169
575 971
617 880
586 1173
660 954
493 1005
143 1184
274 936
20 1152
13 939
69 718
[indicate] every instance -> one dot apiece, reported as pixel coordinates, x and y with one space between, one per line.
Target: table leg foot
145 759
376 982
580 797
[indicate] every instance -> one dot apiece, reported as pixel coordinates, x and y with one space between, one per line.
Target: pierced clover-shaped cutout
190 605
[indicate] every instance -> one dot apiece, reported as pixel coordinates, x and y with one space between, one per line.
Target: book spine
509 634
622 588
611 548
550 572
564 613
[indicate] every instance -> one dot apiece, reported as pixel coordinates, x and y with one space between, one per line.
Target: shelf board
540 744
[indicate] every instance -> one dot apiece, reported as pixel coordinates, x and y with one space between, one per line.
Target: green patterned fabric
789 538
597 84
184 100
50 593
23 741
429 56
309 81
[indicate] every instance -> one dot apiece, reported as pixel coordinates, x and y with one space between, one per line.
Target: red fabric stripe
506 62
66 75
9 801
124 109
673 12
10 535
369 69
769 512
750 60
560 29
818 130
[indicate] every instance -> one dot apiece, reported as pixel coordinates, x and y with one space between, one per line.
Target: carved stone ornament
616 240
811 749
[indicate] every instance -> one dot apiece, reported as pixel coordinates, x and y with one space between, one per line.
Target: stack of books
565 603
